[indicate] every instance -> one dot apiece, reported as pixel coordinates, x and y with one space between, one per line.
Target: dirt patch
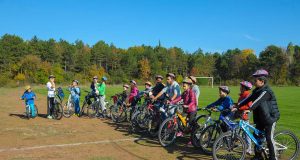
74 138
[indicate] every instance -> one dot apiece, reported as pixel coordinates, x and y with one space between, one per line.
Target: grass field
67 137
288 100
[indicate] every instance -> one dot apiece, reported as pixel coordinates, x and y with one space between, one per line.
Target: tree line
31 61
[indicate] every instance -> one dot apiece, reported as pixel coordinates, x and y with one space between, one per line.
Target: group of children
262 101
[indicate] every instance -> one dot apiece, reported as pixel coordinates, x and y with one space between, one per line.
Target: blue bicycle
231 145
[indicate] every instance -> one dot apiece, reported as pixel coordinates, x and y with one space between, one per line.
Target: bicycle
234 146
203 121
177 122
57 108
210 133
28 112
69 107
119 111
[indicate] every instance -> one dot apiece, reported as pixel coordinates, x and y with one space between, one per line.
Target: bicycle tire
68 111
166 125
57 111
228 138
295 155
208 132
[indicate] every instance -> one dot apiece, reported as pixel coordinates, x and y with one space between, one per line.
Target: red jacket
189 99
246 106
242 97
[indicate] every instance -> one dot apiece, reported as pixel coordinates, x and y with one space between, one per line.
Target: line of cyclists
164 112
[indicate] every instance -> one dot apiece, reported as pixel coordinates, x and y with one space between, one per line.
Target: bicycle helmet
159 76
171 75
148 83
246 84
51 76
193 79
133 81
104 78
187 81
260 73
27 88
225 89
126 85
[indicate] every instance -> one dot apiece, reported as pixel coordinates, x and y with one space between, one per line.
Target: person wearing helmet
29 97
244 111
159 86
148 88
51 95
134 91
224 103
195 87
125 92
189 102
75 95
101 90
265 110
172 89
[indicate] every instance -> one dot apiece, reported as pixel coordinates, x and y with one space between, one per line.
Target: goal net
205 81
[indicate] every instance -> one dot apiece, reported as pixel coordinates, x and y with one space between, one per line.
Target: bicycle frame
246 127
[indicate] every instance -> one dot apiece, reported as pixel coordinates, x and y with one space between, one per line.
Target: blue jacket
29 96
75 92
222 104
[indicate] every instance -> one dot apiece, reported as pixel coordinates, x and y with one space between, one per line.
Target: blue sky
212 25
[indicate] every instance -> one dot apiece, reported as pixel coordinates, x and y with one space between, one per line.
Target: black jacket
264 105
158 87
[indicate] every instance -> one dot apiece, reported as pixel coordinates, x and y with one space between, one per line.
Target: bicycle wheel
195 135
92 110
167 132
57 111
208 137
287 145
228 146
84 108
36 111
68 109
118 113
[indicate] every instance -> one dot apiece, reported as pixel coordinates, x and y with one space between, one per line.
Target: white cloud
249 37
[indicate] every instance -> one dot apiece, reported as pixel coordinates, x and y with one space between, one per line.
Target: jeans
77 106
50 105
32 109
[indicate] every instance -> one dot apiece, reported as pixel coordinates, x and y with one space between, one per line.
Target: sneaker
49 117
179 134
189 143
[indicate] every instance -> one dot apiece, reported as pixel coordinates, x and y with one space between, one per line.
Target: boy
223 104
265 110
51 95
101 90
29 97
75 93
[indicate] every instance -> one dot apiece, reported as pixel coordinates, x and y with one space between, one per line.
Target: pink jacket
189 99
133 92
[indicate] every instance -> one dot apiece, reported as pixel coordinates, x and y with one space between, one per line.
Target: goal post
209 78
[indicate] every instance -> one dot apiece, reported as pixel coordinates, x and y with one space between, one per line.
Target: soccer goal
210 80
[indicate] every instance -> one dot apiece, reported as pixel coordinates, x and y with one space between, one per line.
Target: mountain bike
57 108
28 111
69 107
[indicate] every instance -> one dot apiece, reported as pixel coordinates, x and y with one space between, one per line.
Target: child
75 93
29 97
244 110
133 92
51 95
189 101
101 90
223 104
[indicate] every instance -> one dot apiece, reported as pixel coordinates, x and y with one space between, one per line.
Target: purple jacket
189 99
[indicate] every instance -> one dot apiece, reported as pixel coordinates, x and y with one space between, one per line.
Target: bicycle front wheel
92 110
287 145
68 109
167 132
208 137
229 146
57 111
